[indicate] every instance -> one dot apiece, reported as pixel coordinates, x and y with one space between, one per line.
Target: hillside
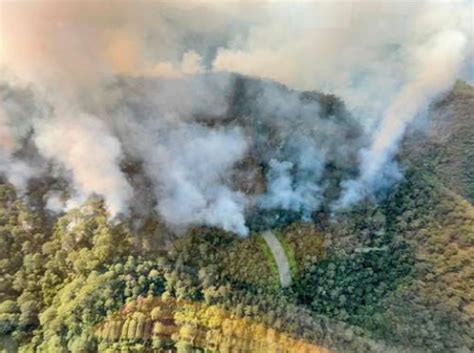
446 145
236 176
414 294
394 276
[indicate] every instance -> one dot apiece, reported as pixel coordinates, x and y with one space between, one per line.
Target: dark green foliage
265 219
351 288
367 262
398 272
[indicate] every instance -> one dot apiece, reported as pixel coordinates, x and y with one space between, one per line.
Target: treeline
155 324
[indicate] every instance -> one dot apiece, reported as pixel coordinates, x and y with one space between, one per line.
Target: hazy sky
307 44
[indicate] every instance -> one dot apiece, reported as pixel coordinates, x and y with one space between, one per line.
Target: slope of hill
446 146
399 273
396 276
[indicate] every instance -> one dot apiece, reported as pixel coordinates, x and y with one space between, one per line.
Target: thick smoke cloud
301 140
121 83
387 60
194 151
84 147
435 69
194 166
190 164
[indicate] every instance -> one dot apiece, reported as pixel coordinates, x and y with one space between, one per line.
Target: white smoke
437 64
191 64
17 172
142 81
190 165
294 187
358 50
191 178
387 60
84 147
17 113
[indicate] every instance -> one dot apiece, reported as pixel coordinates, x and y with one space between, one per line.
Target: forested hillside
251 176
391 276
399 273
447 147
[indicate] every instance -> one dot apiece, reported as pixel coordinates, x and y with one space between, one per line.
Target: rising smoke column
375 55
189 164
387 60
83 147
437 64
193 175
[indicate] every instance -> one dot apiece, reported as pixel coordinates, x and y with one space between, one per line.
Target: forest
71 284
186 268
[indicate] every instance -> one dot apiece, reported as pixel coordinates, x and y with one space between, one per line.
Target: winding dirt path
279 256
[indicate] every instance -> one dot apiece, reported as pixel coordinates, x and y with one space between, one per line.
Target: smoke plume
437 64
131 100
83 146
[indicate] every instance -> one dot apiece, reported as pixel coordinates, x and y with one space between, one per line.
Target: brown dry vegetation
160 324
